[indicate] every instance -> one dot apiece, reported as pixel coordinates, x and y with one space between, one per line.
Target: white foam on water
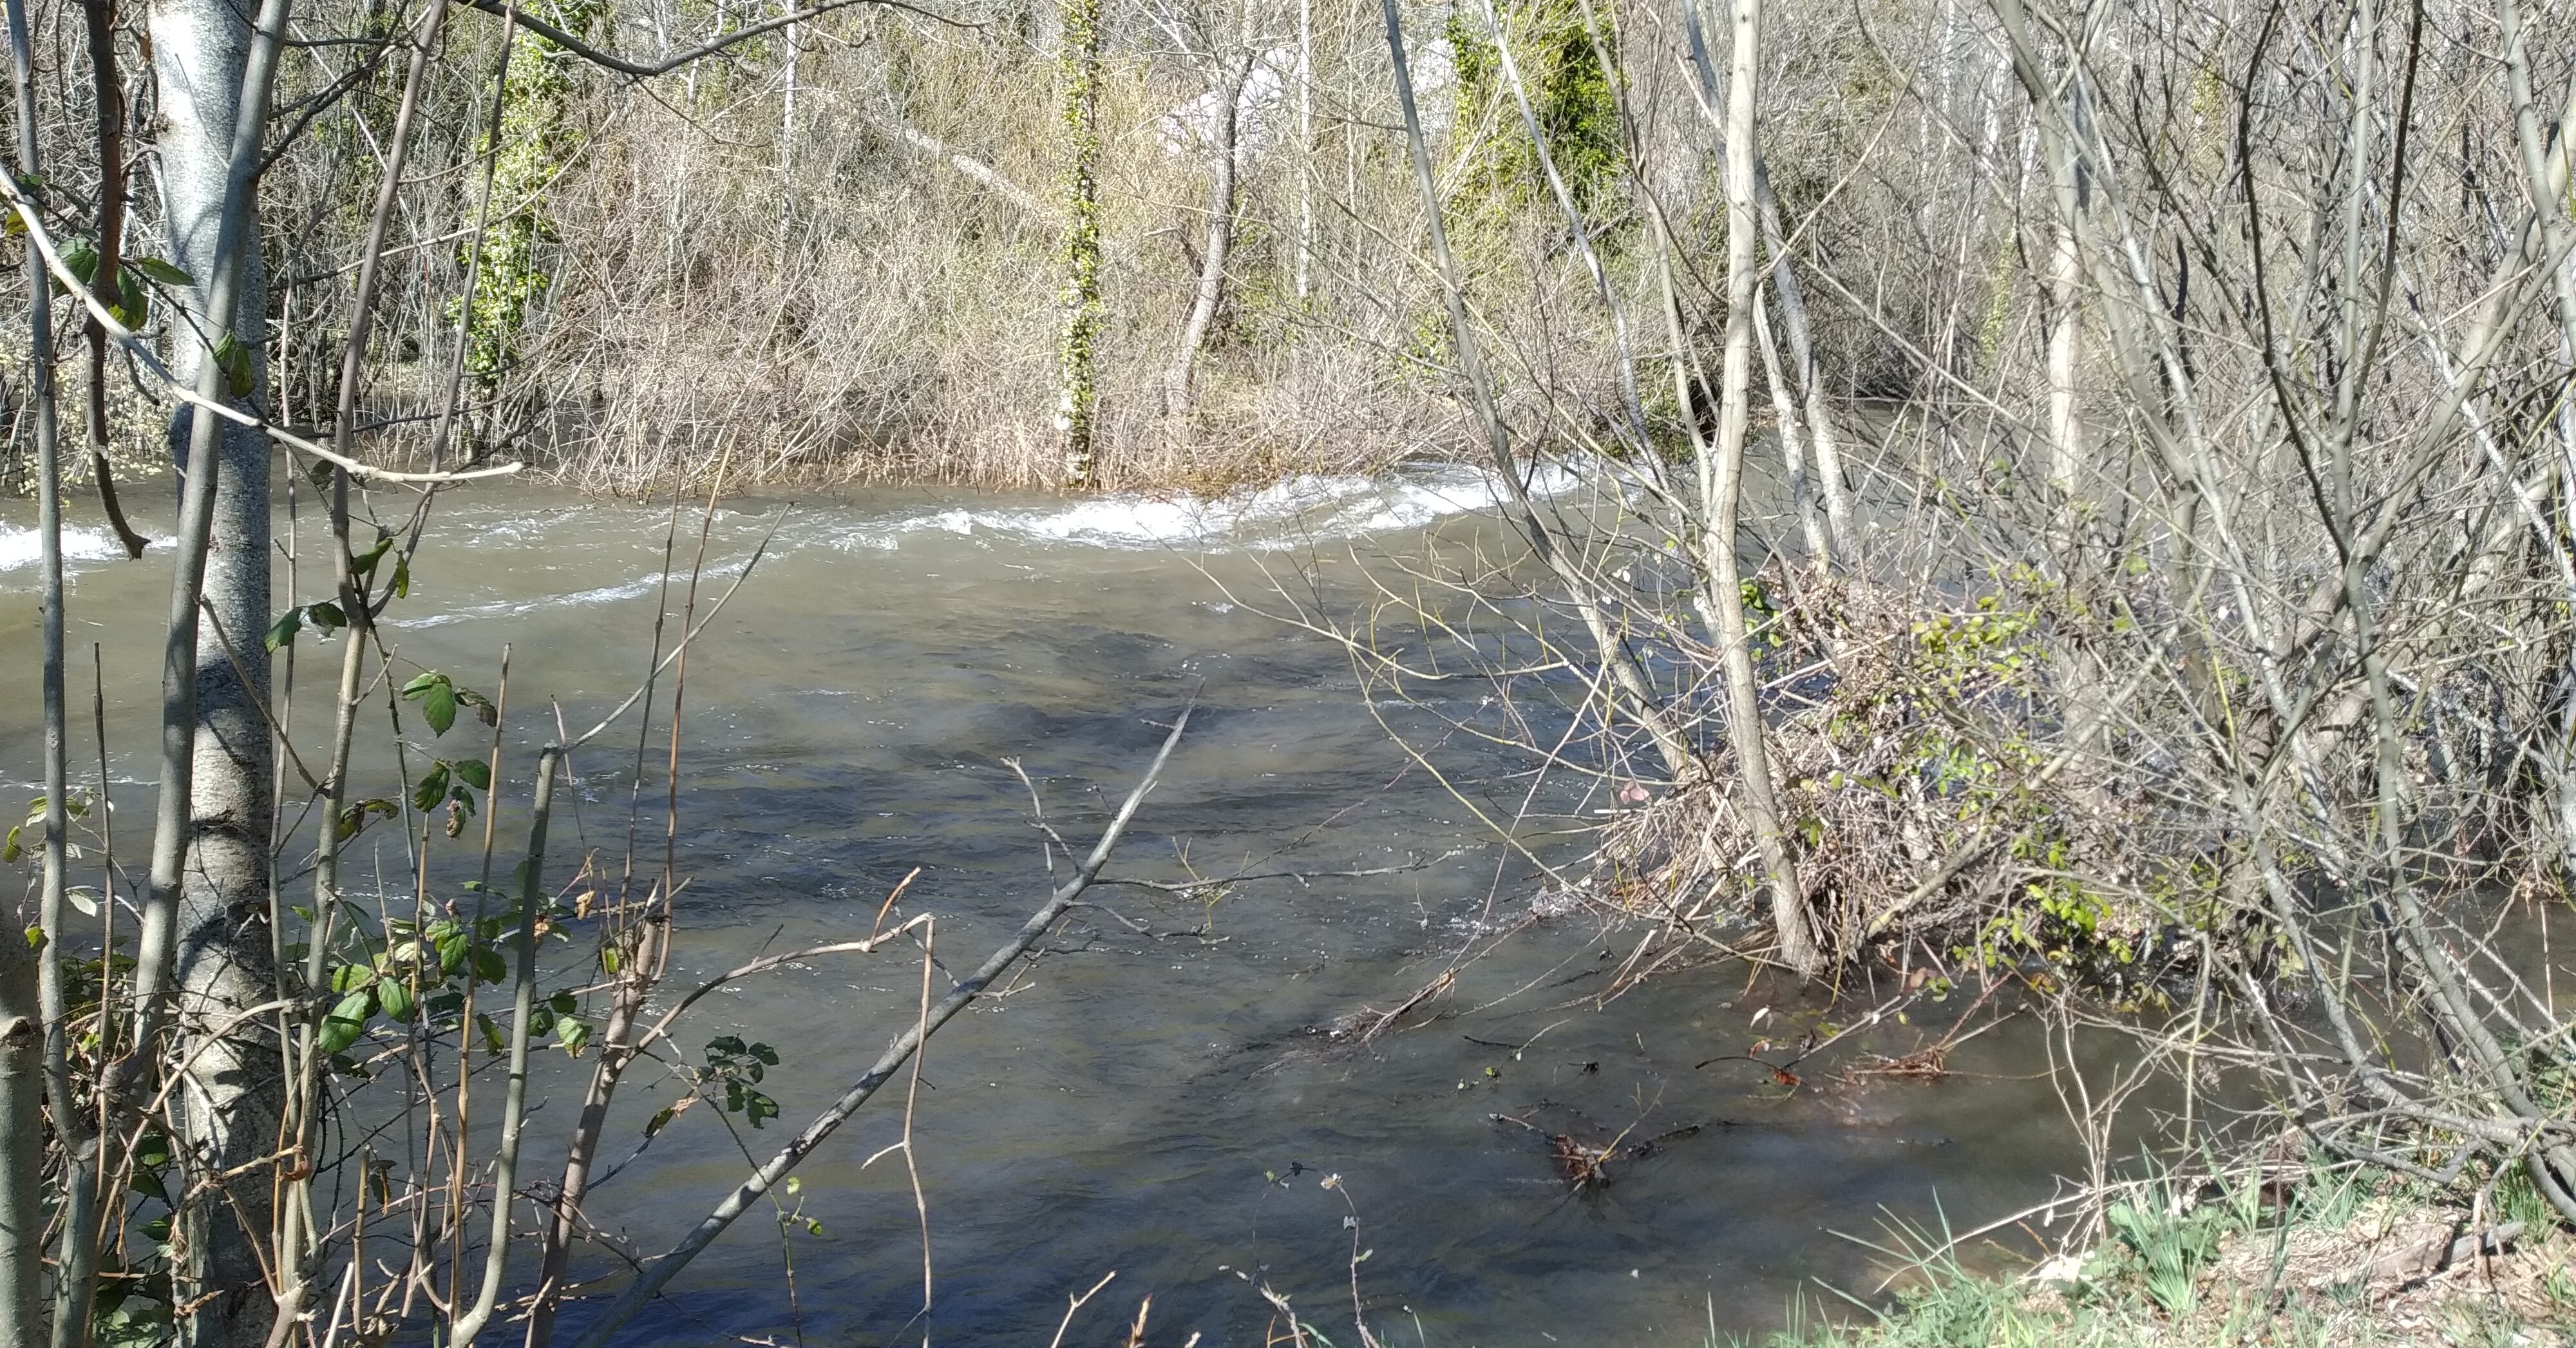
23 548
511 608
1297 511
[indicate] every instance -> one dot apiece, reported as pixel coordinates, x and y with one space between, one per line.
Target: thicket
833 247
2190 623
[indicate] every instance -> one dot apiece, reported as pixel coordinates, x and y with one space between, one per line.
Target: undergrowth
2293 1256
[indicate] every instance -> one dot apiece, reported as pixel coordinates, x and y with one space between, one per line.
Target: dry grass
2351 1269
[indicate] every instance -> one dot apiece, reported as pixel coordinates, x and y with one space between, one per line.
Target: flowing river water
1165 1103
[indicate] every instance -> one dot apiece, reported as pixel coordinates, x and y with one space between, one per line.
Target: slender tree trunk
787 145
299 1126
471 1320
1841 528
1722 482
1793 441
616 1053
1841 532
33 1033
207 918
1305 146
1177 400
22 1146
2544 155
1079 68
108 92
2065 336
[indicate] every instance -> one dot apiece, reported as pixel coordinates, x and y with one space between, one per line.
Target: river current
1164 1103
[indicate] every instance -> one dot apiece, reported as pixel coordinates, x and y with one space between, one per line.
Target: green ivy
536 140
1570 97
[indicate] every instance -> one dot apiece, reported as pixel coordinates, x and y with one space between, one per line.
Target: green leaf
476 773
353 817
241 378
492 1040
341 1028
81 260
402 577
489 967
363 565
431 789
131 305
282 632
327 616
564 1003
163 272
394 997
437 698
571 1034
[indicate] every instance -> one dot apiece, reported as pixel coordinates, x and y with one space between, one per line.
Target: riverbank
2337 1258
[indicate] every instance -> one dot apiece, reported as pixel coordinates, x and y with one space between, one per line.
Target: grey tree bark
32 1029
2065 317
214 75
1841 530
1722 482
1177 399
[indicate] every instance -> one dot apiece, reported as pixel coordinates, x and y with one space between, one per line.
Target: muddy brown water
1157 1104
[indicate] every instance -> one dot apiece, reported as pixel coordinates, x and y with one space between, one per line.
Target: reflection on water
1151 1102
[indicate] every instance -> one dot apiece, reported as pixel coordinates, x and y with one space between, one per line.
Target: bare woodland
2079 493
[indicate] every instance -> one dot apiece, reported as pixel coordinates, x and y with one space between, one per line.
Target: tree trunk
1177 400
22 1145
1305 147
1080 70
214 76
1793 447
2065 348
787 147
1841 533
1722 482
107 92
33 1033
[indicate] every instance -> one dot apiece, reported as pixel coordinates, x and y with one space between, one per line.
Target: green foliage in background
1570 96
536 141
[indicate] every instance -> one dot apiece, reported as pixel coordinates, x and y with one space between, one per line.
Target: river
1160 1103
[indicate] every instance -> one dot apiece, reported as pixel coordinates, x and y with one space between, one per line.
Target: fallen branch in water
651 1280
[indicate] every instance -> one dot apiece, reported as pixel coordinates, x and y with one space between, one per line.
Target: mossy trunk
1076 414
